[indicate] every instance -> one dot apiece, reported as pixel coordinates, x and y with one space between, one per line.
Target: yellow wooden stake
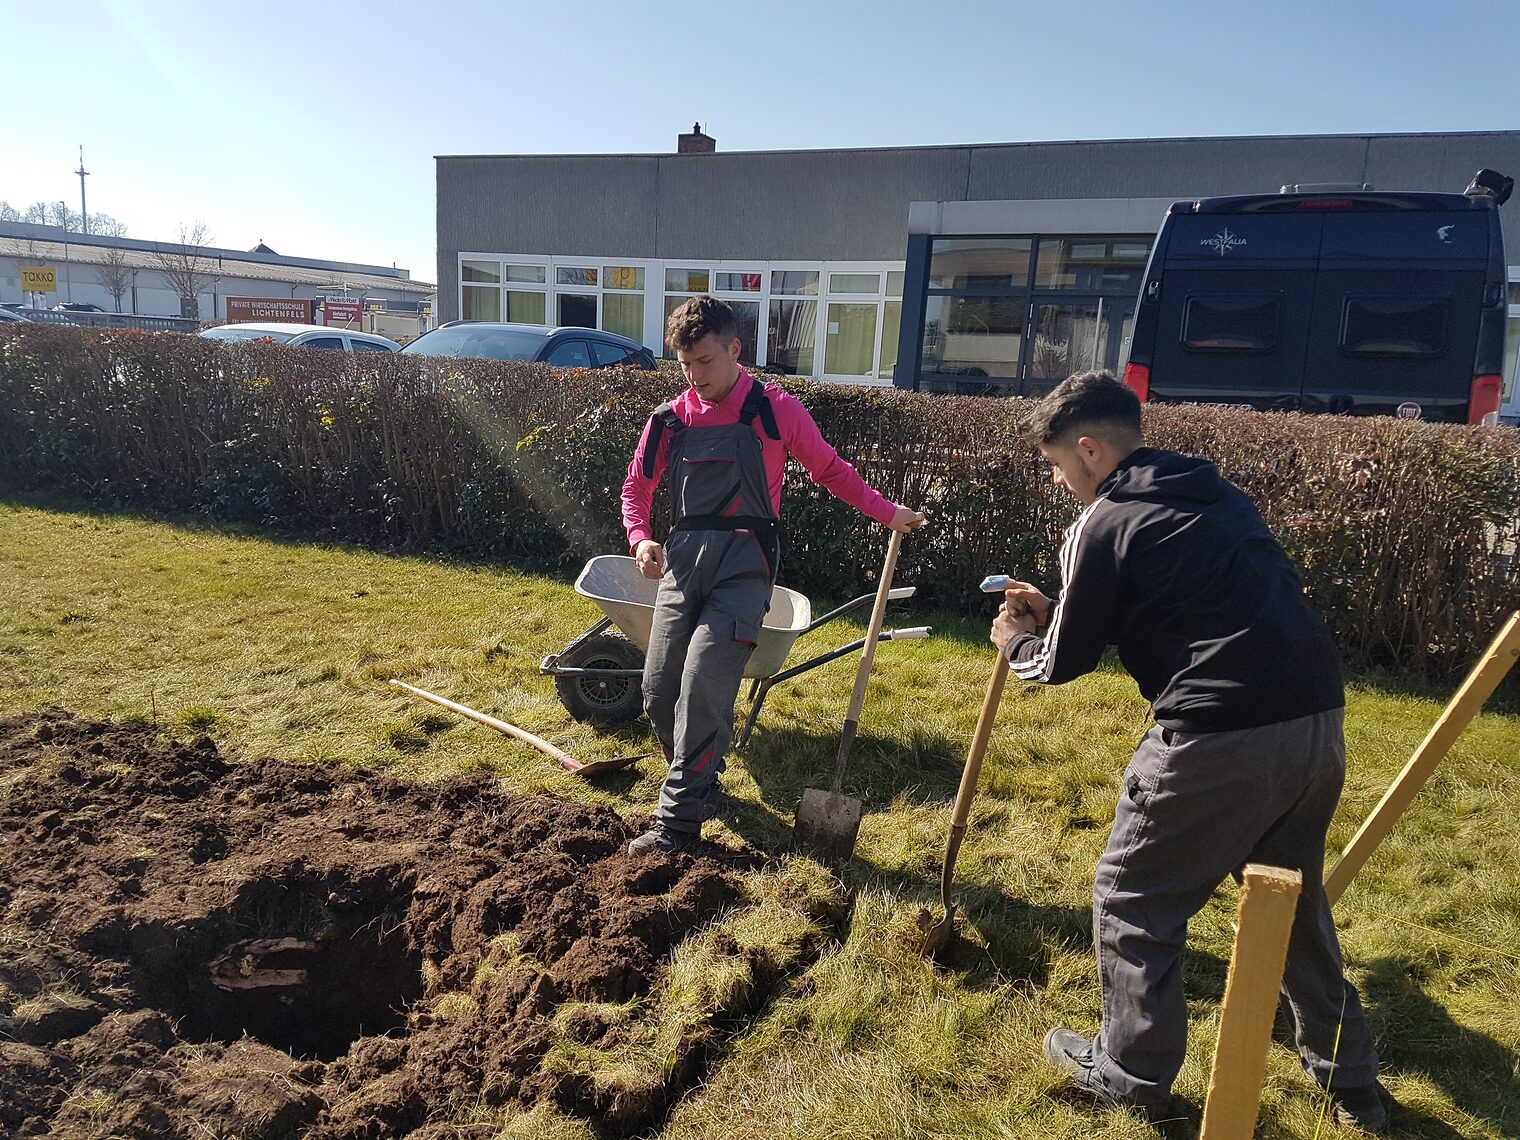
1268 899
1478 687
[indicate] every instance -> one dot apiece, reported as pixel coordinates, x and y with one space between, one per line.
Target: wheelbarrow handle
912 633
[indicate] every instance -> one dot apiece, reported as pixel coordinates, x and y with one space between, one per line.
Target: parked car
8 315
77 307
561 347
303 336
1329 300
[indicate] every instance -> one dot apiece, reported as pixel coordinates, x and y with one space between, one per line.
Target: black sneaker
1365 1108
1068 1050
1072 1053
665 839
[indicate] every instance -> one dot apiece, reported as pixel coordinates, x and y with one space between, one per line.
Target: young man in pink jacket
724 443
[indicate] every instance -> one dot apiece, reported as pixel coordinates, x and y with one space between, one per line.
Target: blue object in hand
995 583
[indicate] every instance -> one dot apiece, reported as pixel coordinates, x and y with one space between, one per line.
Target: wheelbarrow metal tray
620 591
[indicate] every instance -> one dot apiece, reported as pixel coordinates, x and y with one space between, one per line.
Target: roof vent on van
1325 187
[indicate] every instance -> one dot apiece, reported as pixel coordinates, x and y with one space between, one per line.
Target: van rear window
1230 322
1394 326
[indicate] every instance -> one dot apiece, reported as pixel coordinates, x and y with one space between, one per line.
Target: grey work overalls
720 560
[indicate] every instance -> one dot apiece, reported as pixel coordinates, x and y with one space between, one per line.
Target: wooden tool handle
978 749
867 655
511 730
1478 687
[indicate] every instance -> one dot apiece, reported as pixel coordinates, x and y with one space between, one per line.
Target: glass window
1511 351
980 263
737 282
525 308
1230 324
1394 326
480 304
854 282
789 345
528 274
566 275
607 355
478 341
891 327
794 282
368 346
1068 338
576 310
1514 292
1091 264
747 321
974 336
488 271
623 276
569 354
850 343
330 343
894 283
623 313
686 280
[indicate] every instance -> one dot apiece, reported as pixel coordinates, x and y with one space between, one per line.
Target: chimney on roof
696 142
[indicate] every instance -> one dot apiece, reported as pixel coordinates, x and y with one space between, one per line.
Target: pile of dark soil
192 946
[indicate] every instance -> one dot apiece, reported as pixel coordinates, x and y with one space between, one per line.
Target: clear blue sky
313 126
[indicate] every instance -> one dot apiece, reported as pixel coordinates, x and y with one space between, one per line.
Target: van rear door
1396 311
1236 295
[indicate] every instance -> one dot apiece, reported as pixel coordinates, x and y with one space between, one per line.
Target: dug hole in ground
199 946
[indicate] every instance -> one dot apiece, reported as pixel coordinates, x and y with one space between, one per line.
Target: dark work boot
1365 1108
1072 1053
664 839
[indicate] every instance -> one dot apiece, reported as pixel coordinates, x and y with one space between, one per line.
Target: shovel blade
589 768
828 824
937 935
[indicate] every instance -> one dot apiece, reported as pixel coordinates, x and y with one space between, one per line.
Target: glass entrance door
1075 335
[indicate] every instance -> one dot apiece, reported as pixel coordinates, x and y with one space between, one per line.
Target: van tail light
1327 204
1137 378
1483 403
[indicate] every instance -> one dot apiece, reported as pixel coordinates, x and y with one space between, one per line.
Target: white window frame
1509 410
654 295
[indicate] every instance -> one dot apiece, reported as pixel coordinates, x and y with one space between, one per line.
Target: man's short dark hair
698 317
1097 402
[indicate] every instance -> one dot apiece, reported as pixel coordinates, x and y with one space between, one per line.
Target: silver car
303 336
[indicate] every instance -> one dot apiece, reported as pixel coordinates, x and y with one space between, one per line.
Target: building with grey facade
1017 262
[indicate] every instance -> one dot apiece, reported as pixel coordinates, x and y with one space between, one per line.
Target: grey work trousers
1197 807
706 621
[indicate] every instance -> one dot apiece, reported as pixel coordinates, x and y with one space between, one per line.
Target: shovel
939 933
829 822
566 761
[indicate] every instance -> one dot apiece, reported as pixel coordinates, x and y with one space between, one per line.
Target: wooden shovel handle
978 749
867 656
559 754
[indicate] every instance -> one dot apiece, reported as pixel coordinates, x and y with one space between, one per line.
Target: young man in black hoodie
1173 565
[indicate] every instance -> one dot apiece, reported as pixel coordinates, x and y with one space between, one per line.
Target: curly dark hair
698 317
1096 401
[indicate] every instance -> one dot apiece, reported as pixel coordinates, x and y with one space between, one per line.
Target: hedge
1405 532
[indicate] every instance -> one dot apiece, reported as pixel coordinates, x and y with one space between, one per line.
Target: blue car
560 348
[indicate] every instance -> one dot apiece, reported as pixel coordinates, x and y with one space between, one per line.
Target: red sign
270 309
343 312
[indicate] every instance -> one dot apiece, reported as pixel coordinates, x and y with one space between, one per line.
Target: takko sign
270 309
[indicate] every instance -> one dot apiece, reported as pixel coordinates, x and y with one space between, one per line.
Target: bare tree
114 273
9 213
188 272
36 214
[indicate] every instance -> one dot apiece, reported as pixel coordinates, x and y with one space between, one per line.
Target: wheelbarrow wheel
602 700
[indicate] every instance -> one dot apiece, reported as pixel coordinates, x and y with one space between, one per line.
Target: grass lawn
283 648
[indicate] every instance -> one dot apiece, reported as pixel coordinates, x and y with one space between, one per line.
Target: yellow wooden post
1268 898
1478 687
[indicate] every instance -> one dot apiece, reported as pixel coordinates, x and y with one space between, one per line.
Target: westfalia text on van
1355 302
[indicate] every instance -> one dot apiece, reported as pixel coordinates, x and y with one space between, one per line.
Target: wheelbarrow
598 675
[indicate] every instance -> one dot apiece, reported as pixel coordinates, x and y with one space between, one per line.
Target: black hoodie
1174 565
